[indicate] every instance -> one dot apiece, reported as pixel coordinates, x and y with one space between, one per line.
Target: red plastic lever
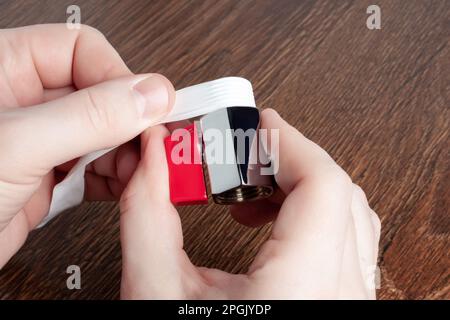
186 179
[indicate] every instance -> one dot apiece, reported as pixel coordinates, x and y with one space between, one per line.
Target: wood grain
378 101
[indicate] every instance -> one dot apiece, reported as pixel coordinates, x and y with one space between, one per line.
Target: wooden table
377 100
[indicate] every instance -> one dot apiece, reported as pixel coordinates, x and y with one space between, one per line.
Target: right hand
324 242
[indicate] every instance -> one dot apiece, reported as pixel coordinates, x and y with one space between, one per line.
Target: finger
95 118
177 125
36 208
352 281
313 219
377 230
298 158
48 57
98 188
152 242
14 233
107 176
65 167
364 230
52 94
318 190
12 237
62 57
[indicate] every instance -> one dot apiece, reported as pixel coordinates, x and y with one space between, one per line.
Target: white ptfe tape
190 102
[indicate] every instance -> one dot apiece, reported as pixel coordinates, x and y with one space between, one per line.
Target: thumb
154 262
102 116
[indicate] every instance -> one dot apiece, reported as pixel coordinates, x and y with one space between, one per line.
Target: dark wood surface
378 101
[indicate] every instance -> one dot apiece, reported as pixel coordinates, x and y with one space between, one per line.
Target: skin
323 245
55 92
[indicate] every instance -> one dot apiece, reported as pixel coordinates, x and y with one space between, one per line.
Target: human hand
324 242
58 101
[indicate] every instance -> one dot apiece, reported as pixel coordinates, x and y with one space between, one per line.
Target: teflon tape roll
190 102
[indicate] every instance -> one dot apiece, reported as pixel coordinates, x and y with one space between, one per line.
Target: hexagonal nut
234 155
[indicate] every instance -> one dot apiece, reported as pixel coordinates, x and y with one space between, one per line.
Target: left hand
65 93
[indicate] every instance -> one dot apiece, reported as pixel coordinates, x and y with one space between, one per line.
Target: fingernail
153 97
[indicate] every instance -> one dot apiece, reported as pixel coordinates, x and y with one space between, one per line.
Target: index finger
315 186
313 220
302 165
62 57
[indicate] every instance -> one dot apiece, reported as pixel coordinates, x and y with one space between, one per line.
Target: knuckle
359 192
91 30
332 182
98 114
4 53
127 201
92 34
336 176
10 124
321 156
376 222
11 127
5 136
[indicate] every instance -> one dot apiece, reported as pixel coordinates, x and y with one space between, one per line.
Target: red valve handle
186 179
